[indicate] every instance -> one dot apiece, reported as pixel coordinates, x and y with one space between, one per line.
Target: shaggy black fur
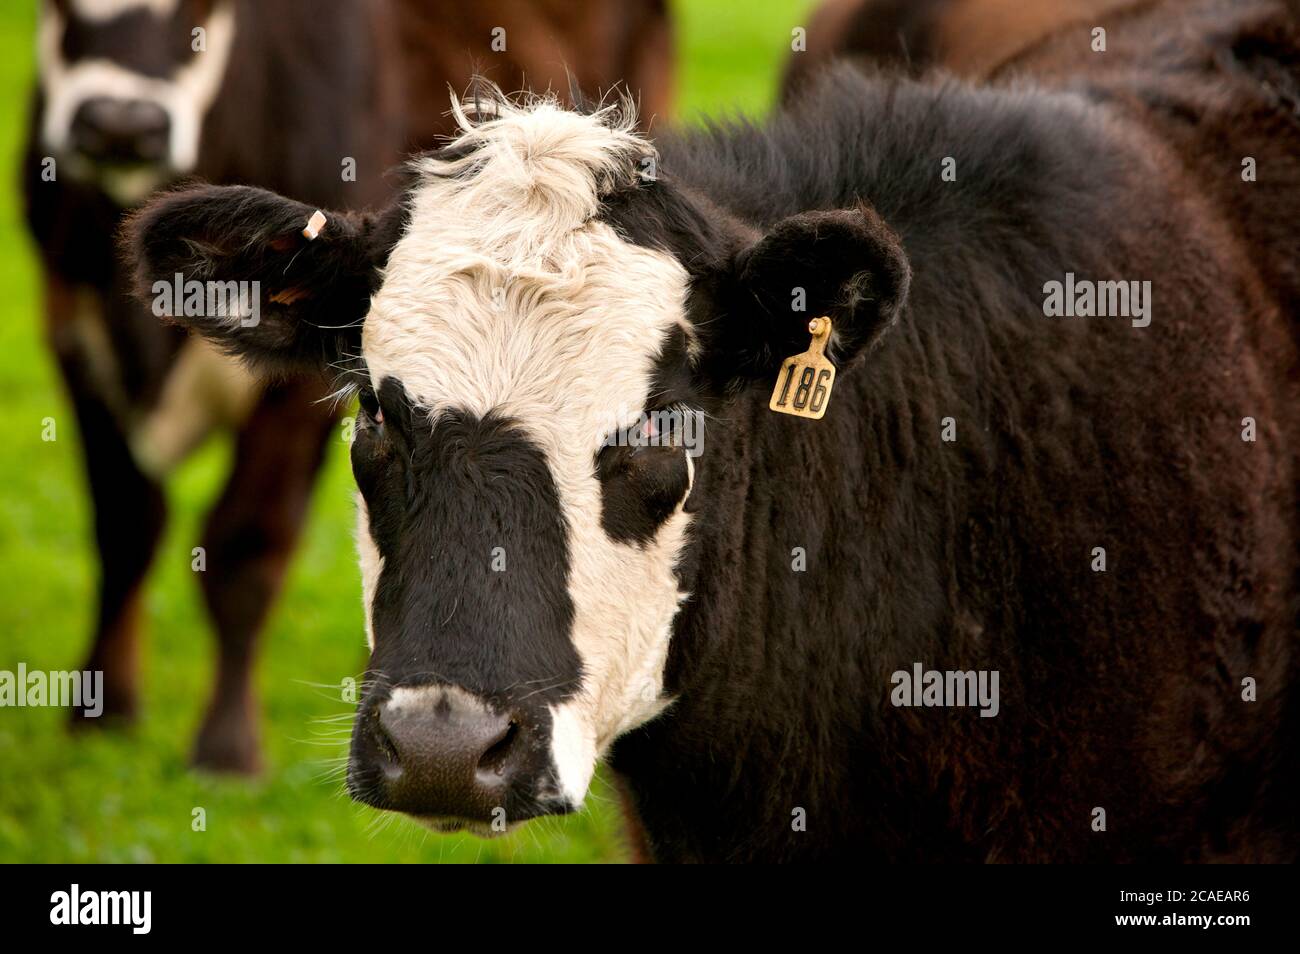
1121 689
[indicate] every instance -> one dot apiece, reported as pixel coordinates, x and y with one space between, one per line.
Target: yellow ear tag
803 388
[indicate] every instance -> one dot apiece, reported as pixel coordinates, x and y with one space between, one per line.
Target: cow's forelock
508 297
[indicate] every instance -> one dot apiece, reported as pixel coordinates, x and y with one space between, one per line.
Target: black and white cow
132 95
297 96
1066 502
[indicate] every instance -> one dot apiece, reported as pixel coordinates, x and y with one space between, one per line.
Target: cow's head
126 84
533 294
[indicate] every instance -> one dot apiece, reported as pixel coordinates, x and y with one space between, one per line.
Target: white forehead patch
100 11
507 295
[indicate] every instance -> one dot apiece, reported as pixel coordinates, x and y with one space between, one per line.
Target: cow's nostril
497 756
390 763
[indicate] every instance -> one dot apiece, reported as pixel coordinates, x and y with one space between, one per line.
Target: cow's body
298 95
1069 503
969 38
1120 689
533 44
299 92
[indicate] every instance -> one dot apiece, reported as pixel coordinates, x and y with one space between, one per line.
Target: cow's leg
249 537
129 507
130 512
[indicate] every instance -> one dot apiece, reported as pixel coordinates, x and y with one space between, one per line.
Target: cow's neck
813 579
763 674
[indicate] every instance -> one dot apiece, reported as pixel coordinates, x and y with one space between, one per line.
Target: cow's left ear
845 263
233 264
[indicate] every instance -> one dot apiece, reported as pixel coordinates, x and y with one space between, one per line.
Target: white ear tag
314 225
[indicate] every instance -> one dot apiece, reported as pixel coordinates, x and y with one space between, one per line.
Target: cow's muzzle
446 757
129 131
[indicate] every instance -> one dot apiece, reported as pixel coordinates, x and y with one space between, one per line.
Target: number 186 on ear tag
803 388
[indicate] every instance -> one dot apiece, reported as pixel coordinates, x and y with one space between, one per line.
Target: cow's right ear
846 264
233 263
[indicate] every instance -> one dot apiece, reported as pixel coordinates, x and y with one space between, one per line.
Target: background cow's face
513 326
124 91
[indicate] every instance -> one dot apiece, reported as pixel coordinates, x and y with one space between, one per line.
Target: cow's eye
644 477
370 405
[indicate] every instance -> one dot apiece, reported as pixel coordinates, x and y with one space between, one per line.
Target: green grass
129 796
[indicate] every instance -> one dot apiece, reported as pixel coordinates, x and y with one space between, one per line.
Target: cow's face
516 326
126 84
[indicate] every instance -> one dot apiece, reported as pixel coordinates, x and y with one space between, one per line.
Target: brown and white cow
1094 516
315 100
